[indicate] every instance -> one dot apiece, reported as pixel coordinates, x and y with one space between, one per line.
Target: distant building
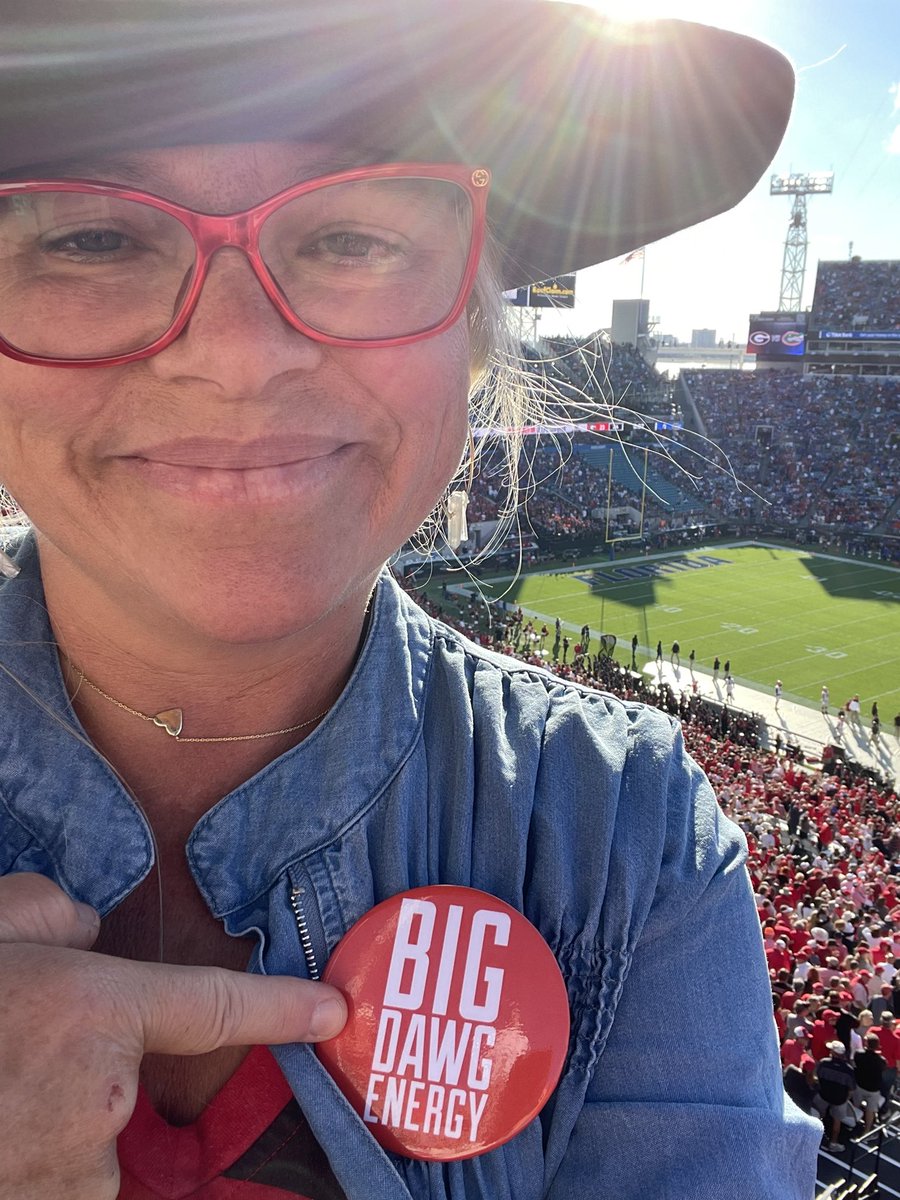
703 339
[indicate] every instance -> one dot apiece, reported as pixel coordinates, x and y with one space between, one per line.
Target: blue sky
846 119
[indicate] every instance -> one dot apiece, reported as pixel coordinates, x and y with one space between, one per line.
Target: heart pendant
171 720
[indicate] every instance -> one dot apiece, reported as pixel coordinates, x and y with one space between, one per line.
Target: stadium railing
867 1189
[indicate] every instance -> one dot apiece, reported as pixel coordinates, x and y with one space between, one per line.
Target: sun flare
707 12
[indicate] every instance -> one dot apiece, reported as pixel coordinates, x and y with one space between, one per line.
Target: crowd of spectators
813 451
856 295
823 858
817 448
564 496
603 370
570 491
818 453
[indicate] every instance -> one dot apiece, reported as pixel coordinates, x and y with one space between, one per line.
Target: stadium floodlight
793 266
816 183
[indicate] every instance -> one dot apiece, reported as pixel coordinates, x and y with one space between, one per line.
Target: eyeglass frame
240 230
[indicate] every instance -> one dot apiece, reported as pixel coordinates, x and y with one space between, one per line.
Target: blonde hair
505 394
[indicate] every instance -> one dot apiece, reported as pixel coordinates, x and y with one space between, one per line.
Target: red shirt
251 1142
778 959
823 1033
793 1050
890 1044
799 939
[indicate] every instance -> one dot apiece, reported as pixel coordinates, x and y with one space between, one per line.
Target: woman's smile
266 471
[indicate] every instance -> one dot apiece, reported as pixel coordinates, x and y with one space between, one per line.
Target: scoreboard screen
777 336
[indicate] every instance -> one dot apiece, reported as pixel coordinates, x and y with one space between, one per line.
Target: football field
776 613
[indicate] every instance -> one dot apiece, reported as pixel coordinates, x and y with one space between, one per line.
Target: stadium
724 545
329 849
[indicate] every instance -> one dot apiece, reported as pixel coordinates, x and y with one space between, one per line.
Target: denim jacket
444 763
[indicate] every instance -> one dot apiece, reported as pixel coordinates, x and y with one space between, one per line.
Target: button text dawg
431 1066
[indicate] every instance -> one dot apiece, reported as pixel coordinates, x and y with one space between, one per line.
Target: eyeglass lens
86 275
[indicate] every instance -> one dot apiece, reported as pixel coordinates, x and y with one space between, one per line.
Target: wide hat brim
601 137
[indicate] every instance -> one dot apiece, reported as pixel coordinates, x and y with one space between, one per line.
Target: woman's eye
92 242
362 247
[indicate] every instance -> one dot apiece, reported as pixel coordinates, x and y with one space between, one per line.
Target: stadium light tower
793 267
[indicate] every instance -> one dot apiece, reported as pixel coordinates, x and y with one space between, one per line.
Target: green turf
775 613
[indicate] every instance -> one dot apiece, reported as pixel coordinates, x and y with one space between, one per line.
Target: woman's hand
75 1025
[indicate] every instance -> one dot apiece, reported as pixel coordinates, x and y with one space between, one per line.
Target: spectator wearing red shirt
823 1033
794 1048
889 1042
778 957
800 940
789 998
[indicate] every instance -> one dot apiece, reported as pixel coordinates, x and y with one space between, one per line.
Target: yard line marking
789 646
820 554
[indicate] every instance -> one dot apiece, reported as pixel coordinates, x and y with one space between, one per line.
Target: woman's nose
236 339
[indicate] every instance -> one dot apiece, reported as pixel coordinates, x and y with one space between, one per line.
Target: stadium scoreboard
777 336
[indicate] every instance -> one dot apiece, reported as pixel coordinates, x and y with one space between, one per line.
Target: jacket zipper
306 944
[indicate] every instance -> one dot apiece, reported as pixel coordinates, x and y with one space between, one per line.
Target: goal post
628 537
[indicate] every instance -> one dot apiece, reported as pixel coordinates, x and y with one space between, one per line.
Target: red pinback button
458 1025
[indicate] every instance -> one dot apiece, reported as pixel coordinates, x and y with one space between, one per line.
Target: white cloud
894 90
893 142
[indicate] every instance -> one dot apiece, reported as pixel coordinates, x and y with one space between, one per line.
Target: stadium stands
816 458
822 844
601 370
819 449
816 453
856 295
813 452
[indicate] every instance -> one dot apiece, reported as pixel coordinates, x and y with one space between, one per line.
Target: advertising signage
777 337
862 335
552 293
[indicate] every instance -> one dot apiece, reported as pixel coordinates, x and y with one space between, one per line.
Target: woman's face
245 480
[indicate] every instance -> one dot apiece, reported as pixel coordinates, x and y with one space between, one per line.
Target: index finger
194 1010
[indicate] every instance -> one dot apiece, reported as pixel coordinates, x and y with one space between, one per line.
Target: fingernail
88 916
328 1018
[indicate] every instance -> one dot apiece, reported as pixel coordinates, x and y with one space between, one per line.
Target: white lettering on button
431 1072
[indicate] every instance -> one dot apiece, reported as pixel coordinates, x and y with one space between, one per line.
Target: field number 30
824 650
738 628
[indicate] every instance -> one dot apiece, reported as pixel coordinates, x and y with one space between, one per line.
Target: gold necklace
172 719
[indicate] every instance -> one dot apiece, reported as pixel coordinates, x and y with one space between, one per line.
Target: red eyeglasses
93 275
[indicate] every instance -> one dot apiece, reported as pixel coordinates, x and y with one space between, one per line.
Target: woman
227 734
